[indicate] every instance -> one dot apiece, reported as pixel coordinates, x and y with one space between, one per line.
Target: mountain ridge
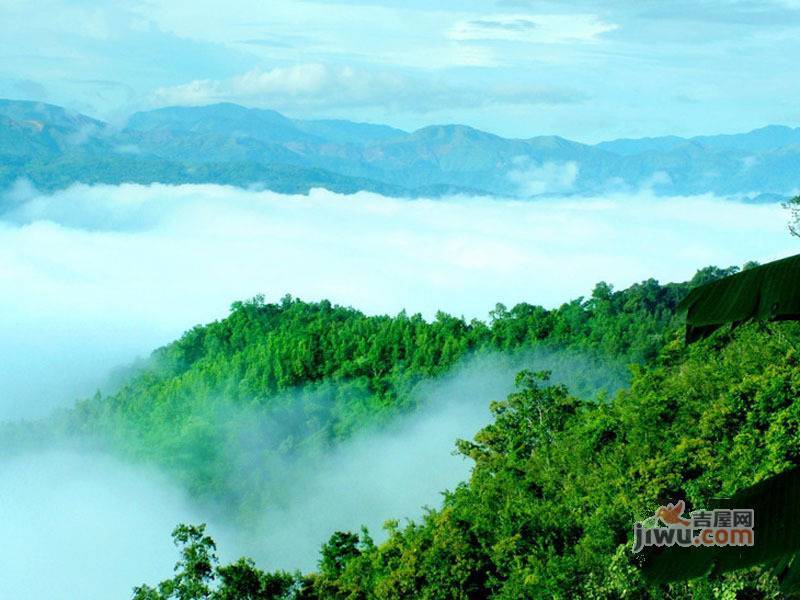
452 158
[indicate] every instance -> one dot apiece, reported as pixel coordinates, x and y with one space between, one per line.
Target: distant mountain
767 138
228 120
231 144
38 114
30 130
348 132
631 147
771 137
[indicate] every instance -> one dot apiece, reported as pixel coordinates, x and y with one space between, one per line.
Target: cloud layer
532 28
96 275
93 276
326 87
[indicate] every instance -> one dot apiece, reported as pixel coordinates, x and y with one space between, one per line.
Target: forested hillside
559 476
330 370
324 372
558 480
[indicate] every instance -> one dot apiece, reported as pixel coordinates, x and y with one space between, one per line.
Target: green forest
559 476
301 377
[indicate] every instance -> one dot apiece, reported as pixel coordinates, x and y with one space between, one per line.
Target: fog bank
78 525
95 275
96 526
393 473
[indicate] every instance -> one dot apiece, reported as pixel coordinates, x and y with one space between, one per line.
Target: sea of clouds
94 276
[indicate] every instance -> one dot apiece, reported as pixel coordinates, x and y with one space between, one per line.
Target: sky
583 69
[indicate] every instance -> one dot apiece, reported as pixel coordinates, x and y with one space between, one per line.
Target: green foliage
198 571
243 581
558 482
229 403
337 551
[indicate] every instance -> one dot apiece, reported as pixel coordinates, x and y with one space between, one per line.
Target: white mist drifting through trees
97 525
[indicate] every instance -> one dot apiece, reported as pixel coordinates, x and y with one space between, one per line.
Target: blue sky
583 69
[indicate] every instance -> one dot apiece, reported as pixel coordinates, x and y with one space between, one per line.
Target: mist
84 525
391 471
98 526
94 276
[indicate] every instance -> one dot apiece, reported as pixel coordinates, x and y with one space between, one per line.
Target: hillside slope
559 479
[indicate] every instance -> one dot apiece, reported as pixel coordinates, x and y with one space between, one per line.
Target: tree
243 581
198 570
525 420
193 572
342 546
793 206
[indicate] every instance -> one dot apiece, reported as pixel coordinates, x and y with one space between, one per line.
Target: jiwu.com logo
718 527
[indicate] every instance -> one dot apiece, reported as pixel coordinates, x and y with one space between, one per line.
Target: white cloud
304 83
96 275
748 162
533 178
316 86
93 276
392 473
534 29
657 179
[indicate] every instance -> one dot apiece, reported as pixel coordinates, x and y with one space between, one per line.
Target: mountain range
229 144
